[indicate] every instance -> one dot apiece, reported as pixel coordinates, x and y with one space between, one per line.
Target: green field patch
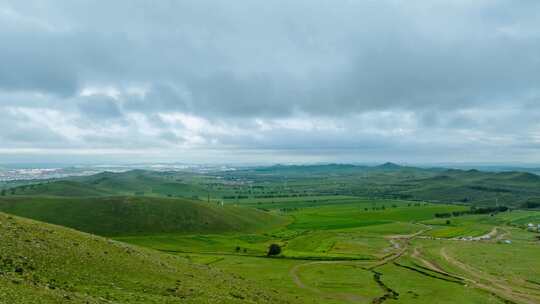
364 214
463 226
458 231
327 244
414 287
410 264
272 273
511 261
341 279
360 245
314 241
535 219
512 265
394 228
216 243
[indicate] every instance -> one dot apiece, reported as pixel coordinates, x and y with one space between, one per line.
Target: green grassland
414 287
277 186
250 244
333 261
335 265
338 231
121 216
273 273
366 213
460 226
41 263
348 234
136 182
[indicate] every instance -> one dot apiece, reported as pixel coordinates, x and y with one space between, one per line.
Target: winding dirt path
399 242
428 264
401 245
489 283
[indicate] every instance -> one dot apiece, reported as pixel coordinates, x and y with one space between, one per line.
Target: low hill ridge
124 215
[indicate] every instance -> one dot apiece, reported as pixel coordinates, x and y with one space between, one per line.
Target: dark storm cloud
253 74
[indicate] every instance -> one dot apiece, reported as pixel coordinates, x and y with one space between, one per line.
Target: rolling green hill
141 182
122 216
42 263
135 182
60 188
476 188
387 181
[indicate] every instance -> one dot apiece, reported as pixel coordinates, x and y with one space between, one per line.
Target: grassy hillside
42 263
263 184
114 216
477 187
59 188
135 182
390 181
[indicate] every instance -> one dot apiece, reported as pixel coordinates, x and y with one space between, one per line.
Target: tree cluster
473 210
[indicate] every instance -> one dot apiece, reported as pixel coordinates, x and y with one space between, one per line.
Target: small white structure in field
507 242
530 226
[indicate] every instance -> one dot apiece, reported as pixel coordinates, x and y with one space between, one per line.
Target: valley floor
347 250
379 251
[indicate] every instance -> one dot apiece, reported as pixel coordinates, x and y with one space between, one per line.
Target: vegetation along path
490 283
399 242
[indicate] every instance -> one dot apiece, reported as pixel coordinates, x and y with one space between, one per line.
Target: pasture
372 251
344 236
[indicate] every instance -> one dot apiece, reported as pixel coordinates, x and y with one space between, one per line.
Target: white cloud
365 79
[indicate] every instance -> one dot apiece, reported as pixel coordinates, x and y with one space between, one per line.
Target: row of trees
273 249
473 210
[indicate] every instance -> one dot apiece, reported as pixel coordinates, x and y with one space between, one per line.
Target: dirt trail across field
496 286
401 242
504 235
398 242
489 283
486 237
401 245
428 264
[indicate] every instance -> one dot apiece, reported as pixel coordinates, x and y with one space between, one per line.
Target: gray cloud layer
407 80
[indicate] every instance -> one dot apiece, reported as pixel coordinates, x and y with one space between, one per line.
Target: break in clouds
413 81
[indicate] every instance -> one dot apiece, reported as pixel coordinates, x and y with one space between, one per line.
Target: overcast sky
270 81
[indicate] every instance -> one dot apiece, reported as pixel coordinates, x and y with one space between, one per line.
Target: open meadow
303 241
374 251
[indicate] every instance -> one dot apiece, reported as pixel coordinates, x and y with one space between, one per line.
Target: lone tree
274 249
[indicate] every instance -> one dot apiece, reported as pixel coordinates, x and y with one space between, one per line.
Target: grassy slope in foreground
122 216
43 263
